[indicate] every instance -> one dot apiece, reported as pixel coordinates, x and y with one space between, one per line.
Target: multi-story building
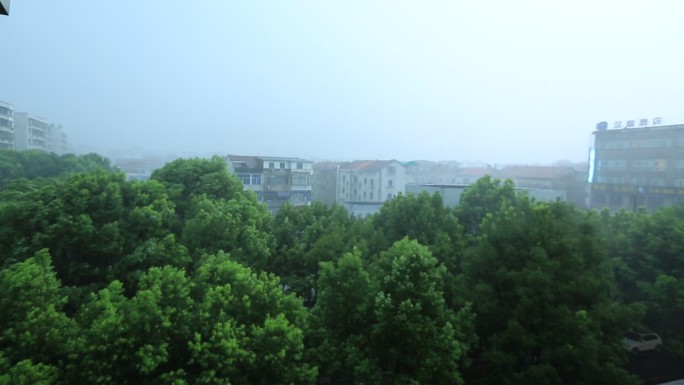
36 133
6 126
635 167
571 182
57 140
361 186
275 180
30 132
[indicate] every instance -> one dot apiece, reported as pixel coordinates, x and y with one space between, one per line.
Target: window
282 164
371 194
244 178
271 165
300 180
256 179
300 166
365 180
389 196
389 182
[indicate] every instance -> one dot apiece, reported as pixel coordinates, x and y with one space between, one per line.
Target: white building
35 133
6 126
30 132
361 186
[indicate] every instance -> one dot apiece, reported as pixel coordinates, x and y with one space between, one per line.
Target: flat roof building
6 126
637 167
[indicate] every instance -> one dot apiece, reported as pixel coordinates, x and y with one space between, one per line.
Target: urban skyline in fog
491 82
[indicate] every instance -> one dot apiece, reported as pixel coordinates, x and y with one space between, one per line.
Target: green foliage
35 334
650 268
539 281
485 197
185 279
248 330
305 237
188 178
239 226
26 372
390 327
32 164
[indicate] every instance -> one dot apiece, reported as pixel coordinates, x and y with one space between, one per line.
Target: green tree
485 197
305 237
239 226
540 282
34 332
390 326
342 319
414 338
188 178
249 331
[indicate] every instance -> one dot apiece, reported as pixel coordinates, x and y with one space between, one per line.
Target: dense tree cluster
187 279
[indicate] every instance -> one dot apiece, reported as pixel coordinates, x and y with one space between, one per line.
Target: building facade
275 180
361 186
57 140
637 167
30 132
35 133
569 183
6 126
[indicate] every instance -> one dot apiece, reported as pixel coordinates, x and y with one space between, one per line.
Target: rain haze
491 81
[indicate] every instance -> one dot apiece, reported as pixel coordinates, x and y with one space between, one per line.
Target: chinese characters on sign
642 123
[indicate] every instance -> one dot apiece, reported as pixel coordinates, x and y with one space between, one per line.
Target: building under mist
36 133
635 167
6 126
274 180
361 186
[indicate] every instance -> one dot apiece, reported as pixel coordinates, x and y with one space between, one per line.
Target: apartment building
36 133
275 180
637 167
6 126
361 186
30 132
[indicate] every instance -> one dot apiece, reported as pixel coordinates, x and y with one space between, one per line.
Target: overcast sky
493 81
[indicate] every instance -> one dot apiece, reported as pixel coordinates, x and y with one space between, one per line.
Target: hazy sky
494 81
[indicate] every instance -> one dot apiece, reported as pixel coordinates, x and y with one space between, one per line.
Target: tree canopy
188 279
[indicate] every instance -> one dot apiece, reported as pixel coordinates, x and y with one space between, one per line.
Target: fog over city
489 81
